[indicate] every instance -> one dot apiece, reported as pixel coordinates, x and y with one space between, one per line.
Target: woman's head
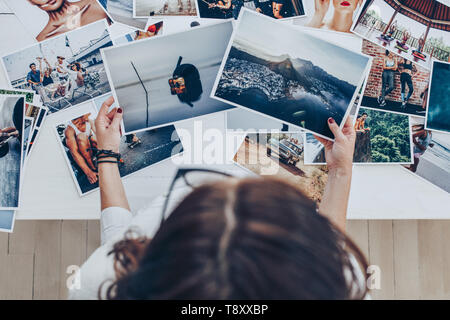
246 239
48 5
346 5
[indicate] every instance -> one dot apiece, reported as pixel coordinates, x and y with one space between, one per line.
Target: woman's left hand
107 126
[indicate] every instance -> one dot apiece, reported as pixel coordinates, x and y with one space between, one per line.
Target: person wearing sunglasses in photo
229 238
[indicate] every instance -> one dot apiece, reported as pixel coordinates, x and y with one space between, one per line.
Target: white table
378 191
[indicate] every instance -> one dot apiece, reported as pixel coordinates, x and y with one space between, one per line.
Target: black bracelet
100 154
108 161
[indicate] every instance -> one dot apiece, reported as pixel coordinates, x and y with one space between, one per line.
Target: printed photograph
381 137
438 112
11 133
6 220
37 113
395 84
65 70
229 9
298 78
281 155
158 89
149 8
431 155
45 19
138 151
29 95
333 15
27 128
416 30
152 30
122 11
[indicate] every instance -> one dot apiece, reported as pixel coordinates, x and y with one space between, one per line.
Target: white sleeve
114 222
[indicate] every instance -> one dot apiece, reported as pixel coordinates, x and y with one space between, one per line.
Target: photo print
7 220
152 30
431 155
174 82
395 84
27 131
228 9
45 19
29 95
11 134
298 78
280 155
138 151
413 29
438 112
333 15
381 137
150 8
65 70
122 11
38 114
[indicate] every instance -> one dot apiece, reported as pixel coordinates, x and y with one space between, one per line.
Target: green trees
390 137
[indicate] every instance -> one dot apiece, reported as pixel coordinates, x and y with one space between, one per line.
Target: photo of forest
390 136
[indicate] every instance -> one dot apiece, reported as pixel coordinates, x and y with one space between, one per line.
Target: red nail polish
330 120
119 110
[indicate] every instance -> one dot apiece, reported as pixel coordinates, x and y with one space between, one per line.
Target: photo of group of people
228 9
77 137
64 70
295 81
416 30
149 8
394 83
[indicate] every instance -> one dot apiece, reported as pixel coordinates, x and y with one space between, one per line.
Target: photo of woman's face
345 5
48 5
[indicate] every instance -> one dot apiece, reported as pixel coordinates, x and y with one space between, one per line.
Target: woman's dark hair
241 239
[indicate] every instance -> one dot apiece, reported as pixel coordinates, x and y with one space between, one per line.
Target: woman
387 79
47 80
407 70
66 15
422 140
342 19
232 239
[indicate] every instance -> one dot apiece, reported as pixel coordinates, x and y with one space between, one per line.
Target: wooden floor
412 255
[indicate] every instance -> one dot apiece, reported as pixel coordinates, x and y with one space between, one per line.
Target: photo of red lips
345 3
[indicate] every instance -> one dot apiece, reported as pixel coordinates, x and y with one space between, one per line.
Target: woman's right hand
339 154
107 126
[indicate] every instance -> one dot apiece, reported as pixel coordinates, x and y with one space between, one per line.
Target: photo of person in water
48 18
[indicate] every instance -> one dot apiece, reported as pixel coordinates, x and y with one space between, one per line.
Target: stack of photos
416 30
77 137
381 137
229 9
11 151
395 84
47 19
65 70
122 11
158 89
298 78
280 154
333 15
438 112
151 31
431 155
38 114
149 8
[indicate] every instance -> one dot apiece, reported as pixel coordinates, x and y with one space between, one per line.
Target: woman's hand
321 9
107 126
339 154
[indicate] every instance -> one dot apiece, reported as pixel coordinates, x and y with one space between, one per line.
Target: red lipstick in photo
345 3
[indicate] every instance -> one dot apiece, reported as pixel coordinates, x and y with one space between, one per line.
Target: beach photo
394 83
228 9
438 112
381 138
298 78
45 19
431 155
138 151
333 15
149 8
65 70
280 155
416 30
6 220
11 134
122 11
174 82
151 31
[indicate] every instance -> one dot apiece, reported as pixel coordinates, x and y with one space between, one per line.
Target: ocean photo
438 112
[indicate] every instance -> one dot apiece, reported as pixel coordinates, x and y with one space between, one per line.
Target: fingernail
330 120
119 110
